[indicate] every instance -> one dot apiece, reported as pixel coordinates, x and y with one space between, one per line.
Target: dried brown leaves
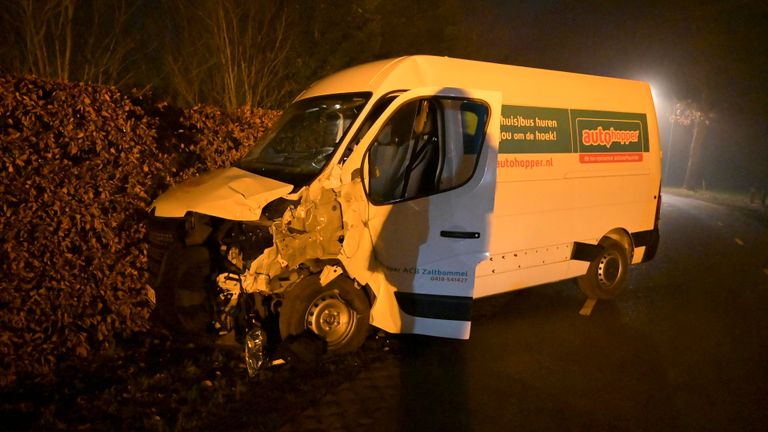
79 165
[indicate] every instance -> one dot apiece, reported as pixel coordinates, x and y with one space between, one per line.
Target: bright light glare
661 100
656 91
655 94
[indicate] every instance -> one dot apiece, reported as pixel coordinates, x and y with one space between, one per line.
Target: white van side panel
551 192
553 189
501 282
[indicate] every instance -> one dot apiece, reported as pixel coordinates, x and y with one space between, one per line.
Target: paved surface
370 402
684 348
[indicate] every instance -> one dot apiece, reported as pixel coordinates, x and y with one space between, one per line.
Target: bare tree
231 53
693 171
66 39
251 41
47 29
262 70
688 114
106 50
185 51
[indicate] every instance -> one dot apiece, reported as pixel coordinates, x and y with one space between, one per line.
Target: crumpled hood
229 193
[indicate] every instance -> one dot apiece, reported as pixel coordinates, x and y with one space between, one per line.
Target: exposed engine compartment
215 276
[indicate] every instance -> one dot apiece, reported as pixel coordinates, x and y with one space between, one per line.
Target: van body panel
457 180
229 193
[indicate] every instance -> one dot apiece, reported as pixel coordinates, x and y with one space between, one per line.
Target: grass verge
751 203
722 197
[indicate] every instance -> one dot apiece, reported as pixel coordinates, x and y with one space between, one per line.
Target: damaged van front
228 248
368 204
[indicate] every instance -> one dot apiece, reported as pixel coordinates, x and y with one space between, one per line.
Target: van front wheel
607 272
337 312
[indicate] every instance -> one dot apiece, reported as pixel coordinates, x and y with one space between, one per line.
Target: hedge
79 165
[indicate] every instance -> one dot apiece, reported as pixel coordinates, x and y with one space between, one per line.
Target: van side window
379 108
463 147
428 146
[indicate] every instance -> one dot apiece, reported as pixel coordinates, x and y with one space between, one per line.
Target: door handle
460 234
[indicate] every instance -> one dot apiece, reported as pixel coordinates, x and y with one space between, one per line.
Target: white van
397 192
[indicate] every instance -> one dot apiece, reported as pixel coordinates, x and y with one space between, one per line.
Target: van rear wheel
607 272
337 312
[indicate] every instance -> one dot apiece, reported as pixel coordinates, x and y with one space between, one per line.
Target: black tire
192 310
337 312
184 303
607 272
186 312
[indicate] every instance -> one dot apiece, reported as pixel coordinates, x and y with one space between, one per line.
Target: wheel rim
609 270
331 318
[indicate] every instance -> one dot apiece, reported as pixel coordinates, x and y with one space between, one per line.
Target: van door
429 174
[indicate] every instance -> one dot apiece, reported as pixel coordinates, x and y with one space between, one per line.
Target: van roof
518 85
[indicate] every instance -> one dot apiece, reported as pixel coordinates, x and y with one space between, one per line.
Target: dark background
711 53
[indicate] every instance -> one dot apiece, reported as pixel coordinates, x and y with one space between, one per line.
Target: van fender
588 251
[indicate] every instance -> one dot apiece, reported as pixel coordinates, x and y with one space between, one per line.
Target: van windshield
305 138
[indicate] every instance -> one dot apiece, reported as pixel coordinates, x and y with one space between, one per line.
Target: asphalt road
684 348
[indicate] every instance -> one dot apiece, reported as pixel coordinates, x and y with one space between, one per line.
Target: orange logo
600 136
